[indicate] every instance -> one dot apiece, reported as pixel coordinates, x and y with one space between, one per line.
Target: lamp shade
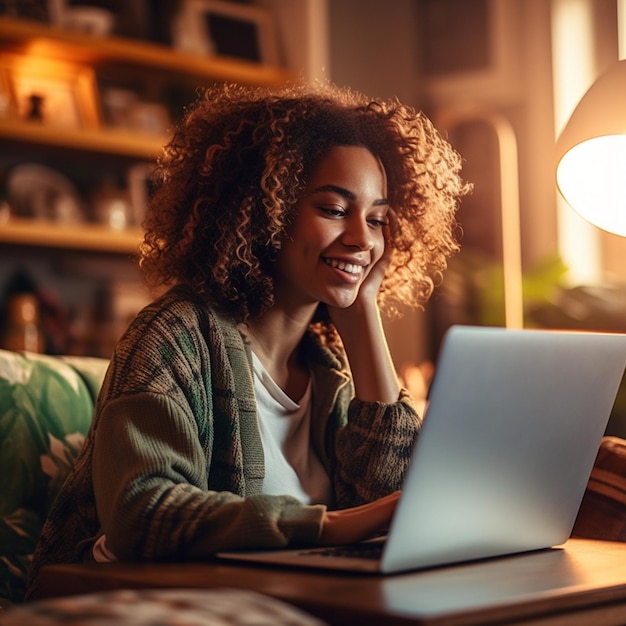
591 153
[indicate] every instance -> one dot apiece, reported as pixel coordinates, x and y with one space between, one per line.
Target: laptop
511 430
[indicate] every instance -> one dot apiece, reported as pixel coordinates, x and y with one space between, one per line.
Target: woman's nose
358 234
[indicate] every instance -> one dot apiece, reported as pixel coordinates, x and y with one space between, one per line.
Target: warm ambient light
591 153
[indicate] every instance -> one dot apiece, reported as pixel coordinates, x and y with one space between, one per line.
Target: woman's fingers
358 523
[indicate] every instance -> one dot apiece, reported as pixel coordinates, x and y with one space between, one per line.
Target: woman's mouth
344 266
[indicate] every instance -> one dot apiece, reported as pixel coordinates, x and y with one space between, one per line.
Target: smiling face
336 236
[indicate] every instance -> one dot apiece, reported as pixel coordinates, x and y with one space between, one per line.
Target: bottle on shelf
22 329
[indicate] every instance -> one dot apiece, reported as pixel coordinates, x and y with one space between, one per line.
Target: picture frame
219 28
51 92
483 64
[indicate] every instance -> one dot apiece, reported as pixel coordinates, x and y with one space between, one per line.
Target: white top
291 465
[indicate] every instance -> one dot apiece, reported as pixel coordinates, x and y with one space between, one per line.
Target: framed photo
51 92
215 27
481 64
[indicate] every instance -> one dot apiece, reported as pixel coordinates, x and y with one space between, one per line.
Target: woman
255 403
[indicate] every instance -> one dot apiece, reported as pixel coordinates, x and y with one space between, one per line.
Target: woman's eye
333 211
379 222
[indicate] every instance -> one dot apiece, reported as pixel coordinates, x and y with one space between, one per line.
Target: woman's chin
342 301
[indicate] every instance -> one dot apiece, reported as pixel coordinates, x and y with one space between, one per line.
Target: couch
46 406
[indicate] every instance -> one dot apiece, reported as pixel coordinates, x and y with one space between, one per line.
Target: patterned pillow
149 607
46 407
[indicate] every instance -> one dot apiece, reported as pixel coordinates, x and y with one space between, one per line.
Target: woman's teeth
349 268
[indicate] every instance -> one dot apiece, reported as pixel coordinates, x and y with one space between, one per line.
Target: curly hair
227 183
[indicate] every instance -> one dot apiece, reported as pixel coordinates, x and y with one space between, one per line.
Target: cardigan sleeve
153 499
373 449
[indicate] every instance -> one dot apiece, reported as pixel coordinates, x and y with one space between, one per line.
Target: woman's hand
359 522
361 330
368 291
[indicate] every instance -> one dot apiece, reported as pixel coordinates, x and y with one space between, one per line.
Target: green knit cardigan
172 467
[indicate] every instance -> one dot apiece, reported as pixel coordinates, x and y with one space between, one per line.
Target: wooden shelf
97 140
85 237
30 37
111 55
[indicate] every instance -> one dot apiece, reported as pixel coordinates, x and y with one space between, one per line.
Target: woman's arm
361 330
374 447
363 337
150 484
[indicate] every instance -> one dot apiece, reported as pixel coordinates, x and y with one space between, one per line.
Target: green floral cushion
46 406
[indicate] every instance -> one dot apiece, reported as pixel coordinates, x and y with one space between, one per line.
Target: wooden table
582 582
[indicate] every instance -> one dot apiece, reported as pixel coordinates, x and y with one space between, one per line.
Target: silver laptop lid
511 432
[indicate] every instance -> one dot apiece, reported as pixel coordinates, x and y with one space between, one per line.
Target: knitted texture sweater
172 467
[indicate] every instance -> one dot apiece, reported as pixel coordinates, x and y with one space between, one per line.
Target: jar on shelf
22 329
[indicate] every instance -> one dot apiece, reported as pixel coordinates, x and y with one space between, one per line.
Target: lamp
591 153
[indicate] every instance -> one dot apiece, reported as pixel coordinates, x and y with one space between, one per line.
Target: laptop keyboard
358 551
